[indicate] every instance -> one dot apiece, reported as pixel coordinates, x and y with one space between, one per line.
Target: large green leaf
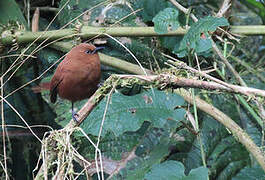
256 6
127 113
224 155
166 20
150 8
10 11
151 146
199 31
168 170
250 173
172 170
200 173
140 165
112 14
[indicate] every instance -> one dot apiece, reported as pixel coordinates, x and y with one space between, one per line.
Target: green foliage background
137 119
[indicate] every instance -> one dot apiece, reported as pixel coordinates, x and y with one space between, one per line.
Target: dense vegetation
182 92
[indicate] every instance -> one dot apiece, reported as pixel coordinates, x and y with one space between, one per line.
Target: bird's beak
96 49
99 48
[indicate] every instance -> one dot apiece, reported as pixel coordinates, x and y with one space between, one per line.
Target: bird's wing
56 80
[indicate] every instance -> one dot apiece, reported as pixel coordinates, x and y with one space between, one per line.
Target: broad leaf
224 154
166 20
10 11
253 173
198 37
149 145
127 113
172 170
150 8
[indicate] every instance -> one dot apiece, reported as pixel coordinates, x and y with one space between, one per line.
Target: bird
77 76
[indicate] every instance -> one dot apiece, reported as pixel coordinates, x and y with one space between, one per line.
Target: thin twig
230 67
101 128
4 132
183 9
19 115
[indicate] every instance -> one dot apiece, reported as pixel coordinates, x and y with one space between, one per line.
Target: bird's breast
79 81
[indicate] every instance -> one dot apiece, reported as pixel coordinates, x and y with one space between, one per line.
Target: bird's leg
74 114
99 85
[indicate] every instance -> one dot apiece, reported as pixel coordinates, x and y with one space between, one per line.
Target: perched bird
77 76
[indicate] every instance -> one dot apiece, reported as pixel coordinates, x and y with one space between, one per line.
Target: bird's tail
45 86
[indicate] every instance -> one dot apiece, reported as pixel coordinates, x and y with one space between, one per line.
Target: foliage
150 124
198 37
10 11
166 20
175 170
153 106
257 6
250 173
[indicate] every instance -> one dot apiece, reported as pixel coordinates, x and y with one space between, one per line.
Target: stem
197 128
248 68
89 32
250 109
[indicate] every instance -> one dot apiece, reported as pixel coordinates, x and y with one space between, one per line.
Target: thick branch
90 32
168 80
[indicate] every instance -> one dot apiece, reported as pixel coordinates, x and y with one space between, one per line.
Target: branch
22 37
171 81
183 9
225 6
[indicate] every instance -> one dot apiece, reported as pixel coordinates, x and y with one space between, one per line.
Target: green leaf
112 147
200 173
167 170
151 146
150 8
112 14
10 11
172 170
138 167
166 20
127 113
225 156
257 5
198 37
203 45
253 173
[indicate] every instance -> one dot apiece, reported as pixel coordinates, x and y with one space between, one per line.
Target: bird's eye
89 51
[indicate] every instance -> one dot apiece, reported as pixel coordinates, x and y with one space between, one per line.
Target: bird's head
84 51
87 48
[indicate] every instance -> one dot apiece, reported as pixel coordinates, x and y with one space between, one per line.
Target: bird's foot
75 116
100 84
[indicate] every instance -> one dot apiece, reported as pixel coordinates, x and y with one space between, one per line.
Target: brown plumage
77 76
